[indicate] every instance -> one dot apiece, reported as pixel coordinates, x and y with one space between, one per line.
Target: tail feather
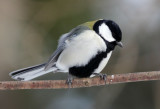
30 72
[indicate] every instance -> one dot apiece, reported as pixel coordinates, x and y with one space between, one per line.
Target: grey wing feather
55 55
62 44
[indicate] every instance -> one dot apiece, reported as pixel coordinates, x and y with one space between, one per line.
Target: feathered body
83 51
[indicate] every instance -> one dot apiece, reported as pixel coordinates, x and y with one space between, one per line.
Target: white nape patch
80 50
106 32
103 63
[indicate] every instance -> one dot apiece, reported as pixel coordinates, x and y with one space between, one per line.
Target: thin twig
78 83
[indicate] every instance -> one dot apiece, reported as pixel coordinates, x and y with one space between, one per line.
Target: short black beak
120 44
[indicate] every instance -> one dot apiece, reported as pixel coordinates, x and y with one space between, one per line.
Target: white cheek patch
106 33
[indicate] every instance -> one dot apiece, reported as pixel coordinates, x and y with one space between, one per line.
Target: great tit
82 52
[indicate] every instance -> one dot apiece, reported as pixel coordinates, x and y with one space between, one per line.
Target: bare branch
78 83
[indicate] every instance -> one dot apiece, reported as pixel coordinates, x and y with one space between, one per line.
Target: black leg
69 80
102 76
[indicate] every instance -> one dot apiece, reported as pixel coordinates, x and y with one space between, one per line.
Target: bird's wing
62 44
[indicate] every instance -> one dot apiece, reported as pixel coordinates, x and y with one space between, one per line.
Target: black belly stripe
87 70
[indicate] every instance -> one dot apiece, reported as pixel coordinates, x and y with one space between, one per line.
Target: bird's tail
30 72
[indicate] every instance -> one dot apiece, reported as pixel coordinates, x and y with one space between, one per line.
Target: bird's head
109 31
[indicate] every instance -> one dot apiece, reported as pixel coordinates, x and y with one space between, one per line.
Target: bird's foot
69 81
102 76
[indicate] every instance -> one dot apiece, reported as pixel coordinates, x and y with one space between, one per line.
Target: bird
82 52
